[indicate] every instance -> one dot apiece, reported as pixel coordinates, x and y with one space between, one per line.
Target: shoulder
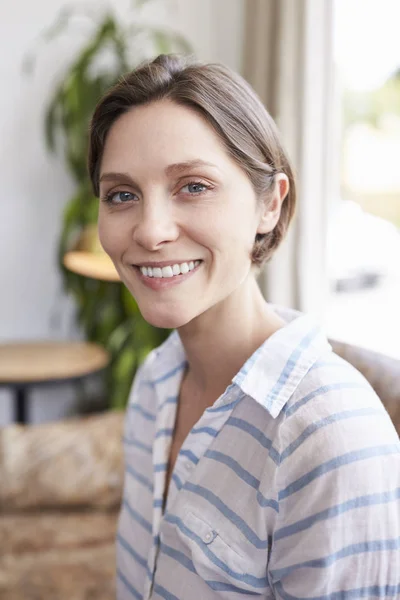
331 385
336 426
337 481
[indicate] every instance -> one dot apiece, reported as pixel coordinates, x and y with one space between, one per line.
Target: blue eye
120 197
195 188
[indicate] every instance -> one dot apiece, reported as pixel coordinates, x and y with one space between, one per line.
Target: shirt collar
168 359
274 371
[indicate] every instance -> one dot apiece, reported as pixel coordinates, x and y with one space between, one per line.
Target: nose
156 226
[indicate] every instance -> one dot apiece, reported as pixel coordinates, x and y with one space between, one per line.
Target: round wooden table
23 365
91 264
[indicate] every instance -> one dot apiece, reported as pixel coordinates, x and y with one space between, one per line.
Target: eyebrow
172 169
113 176
189 164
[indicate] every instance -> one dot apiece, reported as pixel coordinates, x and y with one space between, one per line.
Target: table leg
20 405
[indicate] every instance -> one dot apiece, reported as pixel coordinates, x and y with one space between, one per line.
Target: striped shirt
287 487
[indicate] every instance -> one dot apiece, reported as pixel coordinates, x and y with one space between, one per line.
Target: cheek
230 234
113 232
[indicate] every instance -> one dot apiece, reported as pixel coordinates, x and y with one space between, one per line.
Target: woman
258 463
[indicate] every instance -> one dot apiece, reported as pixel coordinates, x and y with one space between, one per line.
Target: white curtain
288 58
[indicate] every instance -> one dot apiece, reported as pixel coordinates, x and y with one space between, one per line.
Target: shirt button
188 466
208 537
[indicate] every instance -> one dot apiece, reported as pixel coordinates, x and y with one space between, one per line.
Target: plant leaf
107 312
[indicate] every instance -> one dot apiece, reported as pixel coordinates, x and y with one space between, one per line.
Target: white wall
214 27
35 186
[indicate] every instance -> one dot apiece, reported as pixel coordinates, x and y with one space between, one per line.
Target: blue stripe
260 582
267 502
248 365
140 478
228 513
161 591
221 586
178 556
164 432
338 509
190 455
235 466
128 585
329 363
169 400
210 430
244 476
139 559
177 481
158 503
376 591
257 435
334 418
169 374
326 561
290 366
144 383
225 407
335 463
138 408
138 444
348 385
137 517
160 467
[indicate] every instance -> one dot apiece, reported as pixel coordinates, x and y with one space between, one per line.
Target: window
364 220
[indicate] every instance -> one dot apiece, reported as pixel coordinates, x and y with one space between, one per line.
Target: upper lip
165 263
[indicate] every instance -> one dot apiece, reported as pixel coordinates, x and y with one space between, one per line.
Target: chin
164 318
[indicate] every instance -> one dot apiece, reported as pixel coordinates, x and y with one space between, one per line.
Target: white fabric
287 487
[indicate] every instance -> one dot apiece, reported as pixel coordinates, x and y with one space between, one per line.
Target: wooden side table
91 264
23 365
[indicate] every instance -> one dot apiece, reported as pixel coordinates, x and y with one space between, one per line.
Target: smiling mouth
169 271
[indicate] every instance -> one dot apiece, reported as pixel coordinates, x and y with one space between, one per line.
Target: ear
271 207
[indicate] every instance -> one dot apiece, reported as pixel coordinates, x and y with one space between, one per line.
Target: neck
218 342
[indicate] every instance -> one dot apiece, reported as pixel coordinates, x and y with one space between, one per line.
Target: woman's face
178 216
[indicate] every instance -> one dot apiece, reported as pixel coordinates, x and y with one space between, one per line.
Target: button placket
184 468
209 536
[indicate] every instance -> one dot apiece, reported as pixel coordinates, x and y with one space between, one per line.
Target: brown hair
228 103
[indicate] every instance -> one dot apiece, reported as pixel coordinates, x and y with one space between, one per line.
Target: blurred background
364 242
329 73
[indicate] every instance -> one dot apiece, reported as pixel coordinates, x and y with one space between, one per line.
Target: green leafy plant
106 310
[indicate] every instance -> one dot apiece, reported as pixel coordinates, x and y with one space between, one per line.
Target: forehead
159 133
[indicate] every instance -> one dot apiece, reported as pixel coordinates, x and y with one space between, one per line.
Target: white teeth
167 272
170 270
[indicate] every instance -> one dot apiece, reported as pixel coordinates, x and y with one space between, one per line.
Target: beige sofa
60 489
